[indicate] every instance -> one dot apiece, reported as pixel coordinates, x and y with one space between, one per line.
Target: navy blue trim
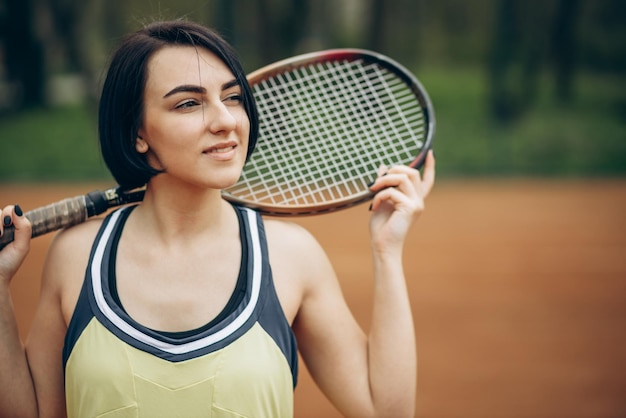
233 303
82 314
272 317
267 311
104 268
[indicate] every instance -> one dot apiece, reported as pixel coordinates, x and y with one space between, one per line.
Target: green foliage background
585 138
446 44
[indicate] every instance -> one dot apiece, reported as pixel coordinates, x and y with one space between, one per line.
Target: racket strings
324 131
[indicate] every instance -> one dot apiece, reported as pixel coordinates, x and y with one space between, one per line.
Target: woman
170 307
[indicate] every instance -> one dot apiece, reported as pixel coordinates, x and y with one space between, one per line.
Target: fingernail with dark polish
18 210
7 220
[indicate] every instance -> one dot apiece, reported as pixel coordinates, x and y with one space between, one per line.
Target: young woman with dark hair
187 305
121 101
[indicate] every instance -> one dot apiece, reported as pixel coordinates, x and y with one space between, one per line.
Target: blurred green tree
23 54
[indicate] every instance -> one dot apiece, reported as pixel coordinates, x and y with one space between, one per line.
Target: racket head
328 120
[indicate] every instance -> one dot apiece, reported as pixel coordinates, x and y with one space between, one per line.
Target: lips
220 150
223 150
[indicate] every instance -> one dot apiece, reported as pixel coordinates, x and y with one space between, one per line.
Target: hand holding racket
328 120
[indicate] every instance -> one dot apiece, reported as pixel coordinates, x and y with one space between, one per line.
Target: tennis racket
328 120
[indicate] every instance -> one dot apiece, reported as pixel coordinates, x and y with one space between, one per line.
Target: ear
141 145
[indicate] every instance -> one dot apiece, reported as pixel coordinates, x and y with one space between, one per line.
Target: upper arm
61 281
331 342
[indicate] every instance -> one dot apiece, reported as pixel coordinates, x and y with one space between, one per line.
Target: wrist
5 288
387 252
387 263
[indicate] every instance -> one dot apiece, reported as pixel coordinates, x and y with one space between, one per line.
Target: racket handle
62 214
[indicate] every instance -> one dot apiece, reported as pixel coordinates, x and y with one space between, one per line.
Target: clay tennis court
518 288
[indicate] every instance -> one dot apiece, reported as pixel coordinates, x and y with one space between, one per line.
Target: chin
224 180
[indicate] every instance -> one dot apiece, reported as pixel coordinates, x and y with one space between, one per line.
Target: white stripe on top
138 335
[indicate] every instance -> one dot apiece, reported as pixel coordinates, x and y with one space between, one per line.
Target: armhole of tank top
82 312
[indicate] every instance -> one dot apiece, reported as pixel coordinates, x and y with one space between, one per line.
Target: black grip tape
96 203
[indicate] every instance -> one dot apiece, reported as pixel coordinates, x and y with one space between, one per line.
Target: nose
220 119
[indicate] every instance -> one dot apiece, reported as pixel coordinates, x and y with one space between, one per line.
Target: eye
234 99
187 104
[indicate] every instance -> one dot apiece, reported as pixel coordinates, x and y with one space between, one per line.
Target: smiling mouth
225 151
221 148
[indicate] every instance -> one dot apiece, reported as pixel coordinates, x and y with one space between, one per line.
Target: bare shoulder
66 261
74 243
277 228
290 238
292 248
299 263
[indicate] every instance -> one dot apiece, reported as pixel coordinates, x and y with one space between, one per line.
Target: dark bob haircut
121 103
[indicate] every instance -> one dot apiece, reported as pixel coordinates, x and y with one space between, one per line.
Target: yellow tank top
242 365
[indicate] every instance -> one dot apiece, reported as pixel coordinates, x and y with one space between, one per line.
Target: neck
183 215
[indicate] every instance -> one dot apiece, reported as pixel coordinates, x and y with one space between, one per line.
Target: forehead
176 65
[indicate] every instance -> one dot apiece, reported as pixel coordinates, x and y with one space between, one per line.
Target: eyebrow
185 88
191 88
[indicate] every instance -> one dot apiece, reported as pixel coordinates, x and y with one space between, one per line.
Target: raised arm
31 373
371 375
391 341
17 394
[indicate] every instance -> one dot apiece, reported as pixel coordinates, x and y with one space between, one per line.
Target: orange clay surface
518 289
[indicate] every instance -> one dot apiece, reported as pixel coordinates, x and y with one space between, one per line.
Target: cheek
243 126
172 131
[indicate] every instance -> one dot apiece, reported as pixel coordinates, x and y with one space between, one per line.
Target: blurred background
520 88
517 271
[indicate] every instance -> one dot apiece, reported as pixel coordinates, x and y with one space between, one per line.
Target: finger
413 174
407 183
428 179
382 170
6 218
13 216
23 228
399 189
403 177
388 195
397 200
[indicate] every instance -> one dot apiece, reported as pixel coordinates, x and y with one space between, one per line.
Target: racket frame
72 211
319 57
